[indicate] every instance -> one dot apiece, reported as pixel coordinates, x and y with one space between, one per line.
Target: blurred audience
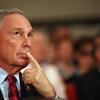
97 50
64 54
51 52
59 31
88 82
84 50
64 57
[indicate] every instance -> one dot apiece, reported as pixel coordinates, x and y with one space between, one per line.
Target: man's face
15 38
86 55
65 51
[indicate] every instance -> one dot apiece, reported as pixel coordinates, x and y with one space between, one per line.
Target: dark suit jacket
26 92
88 86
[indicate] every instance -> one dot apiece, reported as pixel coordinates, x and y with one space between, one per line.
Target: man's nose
27 42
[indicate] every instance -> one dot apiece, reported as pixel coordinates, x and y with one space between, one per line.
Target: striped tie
13 91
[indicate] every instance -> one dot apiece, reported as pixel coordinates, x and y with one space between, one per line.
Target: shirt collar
4 74
17 77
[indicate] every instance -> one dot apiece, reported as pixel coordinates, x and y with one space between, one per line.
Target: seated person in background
64 60
88 82
64 52
97 50
59 31
16 35
84 49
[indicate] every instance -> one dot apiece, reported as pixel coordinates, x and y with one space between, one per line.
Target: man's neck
10 69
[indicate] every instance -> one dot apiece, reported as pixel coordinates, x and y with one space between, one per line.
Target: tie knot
11 78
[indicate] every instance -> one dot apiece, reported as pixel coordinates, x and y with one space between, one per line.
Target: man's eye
30 34
17 33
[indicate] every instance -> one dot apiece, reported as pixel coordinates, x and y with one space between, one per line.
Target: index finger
33 61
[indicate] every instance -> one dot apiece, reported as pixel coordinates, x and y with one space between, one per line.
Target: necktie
13 91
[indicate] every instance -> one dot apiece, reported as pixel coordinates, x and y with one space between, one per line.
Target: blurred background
82 16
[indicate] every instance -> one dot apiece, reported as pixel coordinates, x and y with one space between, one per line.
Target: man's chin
22 65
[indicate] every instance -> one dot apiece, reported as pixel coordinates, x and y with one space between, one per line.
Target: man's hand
36 77
30 74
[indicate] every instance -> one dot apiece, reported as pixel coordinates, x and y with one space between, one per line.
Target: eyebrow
20 29
32 30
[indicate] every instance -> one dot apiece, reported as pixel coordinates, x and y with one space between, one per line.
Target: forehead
15 21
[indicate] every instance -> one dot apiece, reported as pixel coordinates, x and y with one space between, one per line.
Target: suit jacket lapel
27 90
1 96
23 87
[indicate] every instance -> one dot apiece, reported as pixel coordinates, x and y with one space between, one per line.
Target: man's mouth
23 55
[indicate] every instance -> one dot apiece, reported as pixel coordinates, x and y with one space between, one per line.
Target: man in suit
16 35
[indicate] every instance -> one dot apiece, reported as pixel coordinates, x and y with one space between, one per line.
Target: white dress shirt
4 84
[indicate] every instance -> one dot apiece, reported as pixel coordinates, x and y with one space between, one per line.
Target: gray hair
5 12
